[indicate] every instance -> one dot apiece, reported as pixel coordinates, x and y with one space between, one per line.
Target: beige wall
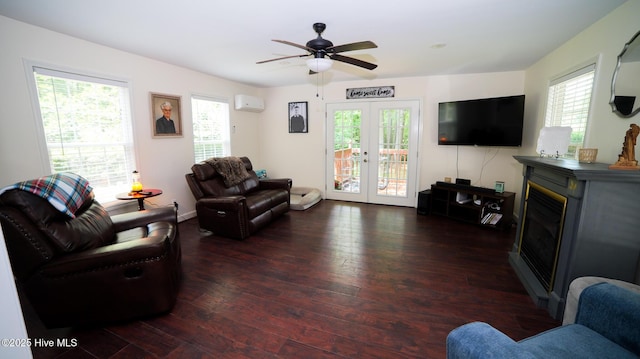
264 136
162 162
302 156
602 41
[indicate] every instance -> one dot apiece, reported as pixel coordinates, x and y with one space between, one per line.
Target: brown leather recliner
239 208
92 268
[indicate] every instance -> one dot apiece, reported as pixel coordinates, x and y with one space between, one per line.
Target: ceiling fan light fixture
319 64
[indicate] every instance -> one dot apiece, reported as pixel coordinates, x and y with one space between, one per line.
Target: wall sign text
371 92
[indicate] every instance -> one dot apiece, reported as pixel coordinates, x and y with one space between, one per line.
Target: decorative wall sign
371 92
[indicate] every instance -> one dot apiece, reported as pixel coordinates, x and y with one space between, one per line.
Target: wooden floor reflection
340 280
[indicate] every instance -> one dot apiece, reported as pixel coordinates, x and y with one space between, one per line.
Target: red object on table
140 196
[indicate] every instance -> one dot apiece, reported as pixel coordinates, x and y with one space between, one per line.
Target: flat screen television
483 122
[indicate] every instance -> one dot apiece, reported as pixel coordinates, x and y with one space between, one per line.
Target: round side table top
145 193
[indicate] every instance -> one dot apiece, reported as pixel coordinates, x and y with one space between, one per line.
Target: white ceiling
227 38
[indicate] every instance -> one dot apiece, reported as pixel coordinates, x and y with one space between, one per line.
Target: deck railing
346 163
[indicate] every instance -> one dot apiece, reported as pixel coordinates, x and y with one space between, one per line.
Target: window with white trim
211 136
87 129
568 104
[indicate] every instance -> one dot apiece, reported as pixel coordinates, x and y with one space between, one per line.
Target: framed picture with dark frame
298 117
166 120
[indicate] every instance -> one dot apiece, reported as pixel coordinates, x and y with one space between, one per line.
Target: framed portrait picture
298 117
166 120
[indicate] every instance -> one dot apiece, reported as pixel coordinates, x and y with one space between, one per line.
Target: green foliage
346 130
393 131
86 128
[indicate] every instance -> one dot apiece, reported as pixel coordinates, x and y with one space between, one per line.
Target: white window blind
211 136
87 128
568 104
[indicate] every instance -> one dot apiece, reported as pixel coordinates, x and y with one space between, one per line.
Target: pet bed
304 197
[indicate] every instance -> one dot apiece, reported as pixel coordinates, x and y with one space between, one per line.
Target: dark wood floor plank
188 351
147 337
340 280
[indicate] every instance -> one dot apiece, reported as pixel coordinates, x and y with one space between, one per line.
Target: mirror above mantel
625 85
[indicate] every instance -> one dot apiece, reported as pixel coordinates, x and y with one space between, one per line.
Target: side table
140 196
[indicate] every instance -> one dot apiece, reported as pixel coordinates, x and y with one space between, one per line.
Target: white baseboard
185 216
118 207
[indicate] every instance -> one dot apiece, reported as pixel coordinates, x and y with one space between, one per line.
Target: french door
372 151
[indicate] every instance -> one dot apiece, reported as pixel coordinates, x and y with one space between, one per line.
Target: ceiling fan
321 48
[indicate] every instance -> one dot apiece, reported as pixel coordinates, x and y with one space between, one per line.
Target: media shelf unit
495 210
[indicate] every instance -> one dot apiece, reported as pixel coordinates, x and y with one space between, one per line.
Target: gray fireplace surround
600 233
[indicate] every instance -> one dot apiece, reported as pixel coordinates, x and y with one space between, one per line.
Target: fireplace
541 232
575 219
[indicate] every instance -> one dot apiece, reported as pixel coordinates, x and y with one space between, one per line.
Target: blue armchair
607 325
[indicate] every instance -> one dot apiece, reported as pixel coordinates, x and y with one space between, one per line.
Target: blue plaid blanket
65 191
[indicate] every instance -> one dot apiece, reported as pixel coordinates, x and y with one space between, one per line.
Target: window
210 128
568 104
87 128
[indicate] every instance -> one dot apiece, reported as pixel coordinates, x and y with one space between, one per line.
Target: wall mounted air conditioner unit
249 103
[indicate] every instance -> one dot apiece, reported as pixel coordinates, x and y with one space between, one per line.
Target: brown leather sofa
92 268
239 208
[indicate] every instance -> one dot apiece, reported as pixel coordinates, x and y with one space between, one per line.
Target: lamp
136 186
319 64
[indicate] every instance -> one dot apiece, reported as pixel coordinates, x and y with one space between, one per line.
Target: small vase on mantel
587 155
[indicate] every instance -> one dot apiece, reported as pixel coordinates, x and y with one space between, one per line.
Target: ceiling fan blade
362 45
295 45
353 61
281 58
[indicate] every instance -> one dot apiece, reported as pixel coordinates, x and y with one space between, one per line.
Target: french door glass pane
346 160
393 145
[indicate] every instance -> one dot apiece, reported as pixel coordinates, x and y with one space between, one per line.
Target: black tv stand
486 207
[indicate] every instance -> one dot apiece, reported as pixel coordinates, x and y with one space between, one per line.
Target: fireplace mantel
601 232
580 171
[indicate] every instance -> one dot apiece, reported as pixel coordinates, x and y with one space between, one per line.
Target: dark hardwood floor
340 280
